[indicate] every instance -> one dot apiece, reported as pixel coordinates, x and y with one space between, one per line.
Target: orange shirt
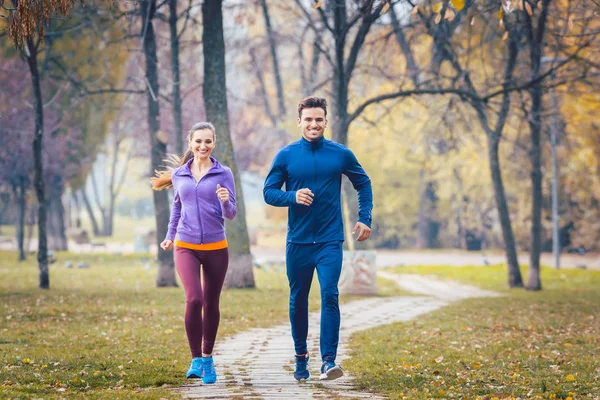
206 246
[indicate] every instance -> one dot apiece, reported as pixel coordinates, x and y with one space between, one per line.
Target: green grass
541 345
124 230
108 332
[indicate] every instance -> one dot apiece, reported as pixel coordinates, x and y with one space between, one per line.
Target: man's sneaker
301 372
330 371
195 371
210 375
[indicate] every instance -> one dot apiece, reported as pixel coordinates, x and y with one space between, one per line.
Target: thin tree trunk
404 46
166 266
514 272
99 202
57 239
240 273
460 212
19 191
30 224
90 211
262 88
275 59
38 183
536 43
176 78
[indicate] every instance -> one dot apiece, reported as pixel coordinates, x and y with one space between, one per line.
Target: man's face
313 123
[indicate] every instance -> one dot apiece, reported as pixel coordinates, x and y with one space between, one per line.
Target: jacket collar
185 168
314 145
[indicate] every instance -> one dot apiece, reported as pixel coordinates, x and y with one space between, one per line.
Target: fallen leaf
505 36
437 7
458 4
570 378
415 10
318 4
439 359
528 8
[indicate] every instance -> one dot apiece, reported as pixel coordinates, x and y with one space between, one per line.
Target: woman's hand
223 193
166 245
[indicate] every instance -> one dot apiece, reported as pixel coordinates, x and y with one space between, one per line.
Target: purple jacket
197 213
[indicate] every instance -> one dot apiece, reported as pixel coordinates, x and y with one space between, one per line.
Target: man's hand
166 245
363 231
304 197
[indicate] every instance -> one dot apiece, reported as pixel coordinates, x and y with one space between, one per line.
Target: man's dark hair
312 102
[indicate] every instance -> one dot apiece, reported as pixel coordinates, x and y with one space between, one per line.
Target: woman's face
202 143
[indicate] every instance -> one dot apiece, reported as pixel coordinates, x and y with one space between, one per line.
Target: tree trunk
179 145
38 182
90 211
460 211
275 59
428 228
57 239
240 272
514 273
413 70
534 281
19 191
536 43
166 266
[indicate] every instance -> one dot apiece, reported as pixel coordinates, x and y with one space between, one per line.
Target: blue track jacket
318 166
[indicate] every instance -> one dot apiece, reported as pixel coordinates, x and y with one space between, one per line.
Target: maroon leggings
202 304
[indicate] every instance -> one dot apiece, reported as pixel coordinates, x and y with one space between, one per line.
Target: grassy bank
106 331
541 345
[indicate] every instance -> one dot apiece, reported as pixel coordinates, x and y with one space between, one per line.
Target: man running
311 169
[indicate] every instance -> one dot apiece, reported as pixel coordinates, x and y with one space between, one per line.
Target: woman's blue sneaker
301 372
195 371
210 375
330 371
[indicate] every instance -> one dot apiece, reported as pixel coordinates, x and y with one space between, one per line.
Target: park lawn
107 332
538 345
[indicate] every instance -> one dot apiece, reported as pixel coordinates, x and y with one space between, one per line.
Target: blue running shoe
195 371
330 371
301 372
210 375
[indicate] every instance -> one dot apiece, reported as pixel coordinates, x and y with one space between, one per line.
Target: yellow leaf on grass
568 345
437 7
318 4
570 378
458 4
477 366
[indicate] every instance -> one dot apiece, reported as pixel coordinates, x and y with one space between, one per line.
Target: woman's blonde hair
162 179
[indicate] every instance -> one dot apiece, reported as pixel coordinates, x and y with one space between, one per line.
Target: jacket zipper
313 209
198 208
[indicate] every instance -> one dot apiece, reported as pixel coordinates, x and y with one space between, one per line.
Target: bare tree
240 272
166 266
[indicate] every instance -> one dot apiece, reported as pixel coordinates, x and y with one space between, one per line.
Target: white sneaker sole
333 373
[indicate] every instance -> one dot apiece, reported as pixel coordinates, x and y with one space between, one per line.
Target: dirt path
258 364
